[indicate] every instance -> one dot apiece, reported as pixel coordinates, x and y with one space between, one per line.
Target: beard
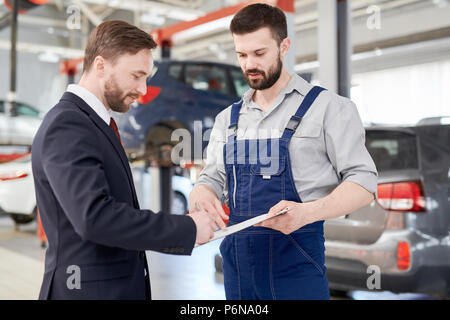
267 81
115 97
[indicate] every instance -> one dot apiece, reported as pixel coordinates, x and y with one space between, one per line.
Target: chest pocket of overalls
260 186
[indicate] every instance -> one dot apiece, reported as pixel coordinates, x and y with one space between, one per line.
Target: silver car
20 128
401 241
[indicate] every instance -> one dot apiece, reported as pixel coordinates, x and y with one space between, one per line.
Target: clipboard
241 226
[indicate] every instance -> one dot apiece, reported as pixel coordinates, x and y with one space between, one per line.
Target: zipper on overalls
234 187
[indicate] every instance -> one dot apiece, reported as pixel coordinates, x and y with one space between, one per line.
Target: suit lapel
109 133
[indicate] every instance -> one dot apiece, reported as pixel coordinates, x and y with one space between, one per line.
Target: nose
251 64
142 89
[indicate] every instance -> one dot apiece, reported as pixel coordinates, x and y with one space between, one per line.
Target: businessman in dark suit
96 232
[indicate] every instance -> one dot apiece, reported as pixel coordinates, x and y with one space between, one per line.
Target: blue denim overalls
258 262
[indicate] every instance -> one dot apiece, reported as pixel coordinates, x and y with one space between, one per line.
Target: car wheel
23 218
179 204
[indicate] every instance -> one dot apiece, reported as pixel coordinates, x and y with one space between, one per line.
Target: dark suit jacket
90 212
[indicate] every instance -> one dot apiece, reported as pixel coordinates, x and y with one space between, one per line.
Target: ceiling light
153 19
181 15
218 51
440 3
49 57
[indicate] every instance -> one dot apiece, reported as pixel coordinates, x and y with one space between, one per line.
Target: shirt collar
296 83
91 100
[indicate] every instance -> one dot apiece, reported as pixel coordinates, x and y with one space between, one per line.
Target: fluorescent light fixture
218 51
156 7
378 52
206 28
114 3
181 15
153 19
48 56
440 3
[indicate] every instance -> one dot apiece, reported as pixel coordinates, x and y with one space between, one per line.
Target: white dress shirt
91 100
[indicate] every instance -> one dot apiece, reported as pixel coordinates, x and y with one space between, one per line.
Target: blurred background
391 57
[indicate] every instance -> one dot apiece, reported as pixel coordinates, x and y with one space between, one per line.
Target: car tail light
403 256
402 196
152 93
13 176
12 156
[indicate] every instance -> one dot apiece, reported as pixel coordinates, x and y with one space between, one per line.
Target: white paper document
221 233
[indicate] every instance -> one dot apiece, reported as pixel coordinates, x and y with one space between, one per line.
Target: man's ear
284 46
99 66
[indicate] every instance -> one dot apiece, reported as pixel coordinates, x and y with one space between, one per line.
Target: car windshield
207 78
392 150
22 109
239 82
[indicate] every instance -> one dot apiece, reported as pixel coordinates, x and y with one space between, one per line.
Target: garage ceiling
418 28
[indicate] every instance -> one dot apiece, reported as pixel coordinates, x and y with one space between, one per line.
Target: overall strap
234 118
295 120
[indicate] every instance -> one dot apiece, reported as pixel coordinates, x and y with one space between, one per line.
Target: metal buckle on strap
294 122
232 130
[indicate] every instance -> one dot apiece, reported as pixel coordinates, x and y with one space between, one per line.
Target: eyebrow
260 49
141 72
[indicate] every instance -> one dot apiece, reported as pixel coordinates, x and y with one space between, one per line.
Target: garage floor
172 277
22 261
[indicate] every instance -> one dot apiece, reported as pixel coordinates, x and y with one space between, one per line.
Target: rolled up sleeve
345 145
213 174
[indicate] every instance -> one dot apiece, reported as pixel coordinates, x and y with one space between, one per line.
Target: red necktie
113 125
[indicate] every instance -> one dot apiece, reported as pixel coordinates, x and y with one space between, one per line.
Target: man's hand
206 199
298 215
204 222
345 199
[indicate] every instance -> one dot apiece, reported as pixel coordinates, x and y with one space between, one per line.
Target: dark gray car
404 236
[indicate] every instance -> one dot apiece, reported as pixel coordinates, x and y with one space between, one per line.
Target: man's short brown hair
114 38
259 15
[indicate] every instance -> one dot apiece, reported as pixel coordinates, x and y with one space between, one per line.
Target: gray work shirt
326 149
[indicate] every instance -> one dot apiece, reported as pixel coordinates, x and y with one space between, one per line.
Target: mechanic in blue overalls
286 144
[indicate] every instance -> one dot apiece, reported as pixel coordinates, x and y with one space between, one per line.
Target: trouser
271 265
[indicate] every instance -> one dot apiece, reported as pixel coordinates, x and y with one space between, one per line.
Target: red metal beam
164 35
25 5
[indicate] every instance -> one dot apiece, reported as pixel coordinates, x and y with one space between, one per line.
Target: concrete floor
22 261
172 277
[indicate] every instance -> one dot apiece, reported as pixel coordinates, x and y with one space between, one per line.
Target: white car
21 128
17 197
